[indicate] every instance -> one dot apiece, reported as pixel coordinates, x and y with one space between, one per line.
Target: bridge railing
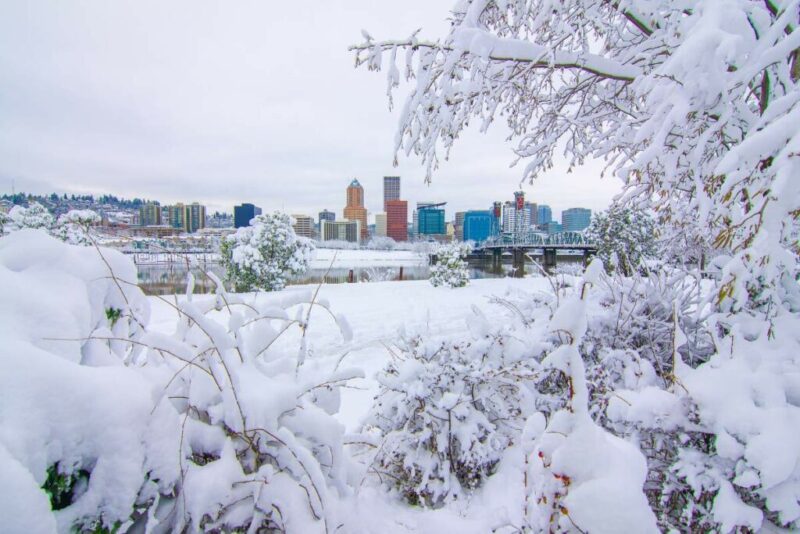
532 239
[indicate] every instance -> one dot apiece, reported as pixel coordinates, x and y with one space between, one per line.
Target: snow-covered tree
34 216
74 226
264 254
625 238
450 269
692 104
446 412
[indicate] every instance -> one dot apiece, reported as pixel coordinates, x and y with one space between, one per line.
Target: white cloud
229 102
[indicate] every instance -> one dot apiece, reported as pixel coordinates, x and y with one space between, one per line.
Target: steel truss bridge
520 245
538 240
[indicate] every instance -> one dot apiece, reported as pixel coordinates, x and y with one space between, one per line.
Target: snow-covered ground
366 258
377 313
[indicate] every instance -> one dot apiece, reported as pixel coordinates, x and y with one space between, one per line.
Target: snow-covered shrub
447 411
74 227
450 269
265 254
625 238
261 449
34 216
74 421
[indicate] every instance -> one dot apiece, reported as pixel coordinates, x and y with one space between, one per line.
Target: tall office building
326 215
177 215
391 189
430 220
341 231
458 223
355 210
479 225
303 225
242 215
150 214
189 218
576 219
195 218
397 219
533 213
380 224
545 214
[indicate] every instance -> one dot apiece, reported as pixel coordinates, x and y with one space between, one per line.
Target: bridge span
532 244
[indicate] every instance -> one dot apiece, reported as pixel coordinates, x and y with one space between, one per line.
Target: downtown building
341 231
391 189
150 214
545 214
354 209
380 224
576 219
242 215
187 217
397 220
303 226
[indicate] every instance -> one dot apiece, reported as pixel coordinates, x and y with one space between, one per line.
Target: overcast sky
228 102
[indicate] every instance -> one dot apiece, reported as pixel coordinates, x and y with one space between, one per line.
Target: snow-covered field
377 313
366 258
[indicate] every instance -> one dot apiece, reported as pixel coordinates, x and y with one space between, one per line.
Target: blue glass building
576 219
479 225
545 214
242 215
431 221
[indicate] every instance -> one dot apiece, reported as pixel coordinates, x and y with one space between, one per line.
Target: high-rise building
195 217
326 215
391 189
341 231
515 221
177 215
430 220
479 225
545 214
459 225
242 215
355 210
189 218
533 213
150 214
380 224
303 225
576 219
397 219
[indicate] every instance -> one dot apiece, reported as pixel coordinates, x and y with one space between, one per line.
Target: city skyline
135 106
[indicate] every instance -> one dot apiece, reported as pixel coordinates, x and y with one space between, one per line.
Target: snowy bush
625 238
261 449
450 269
265 254
447 413
74 227
105 425
34 216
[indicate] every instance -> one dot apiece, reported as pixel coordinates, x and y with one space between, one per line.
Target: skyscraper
326 215
242 215
355 210
430 220
397 219
545 214
479 225
576 219
459 225
195 217
380 224
341 230
391 189
303 225
150 214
